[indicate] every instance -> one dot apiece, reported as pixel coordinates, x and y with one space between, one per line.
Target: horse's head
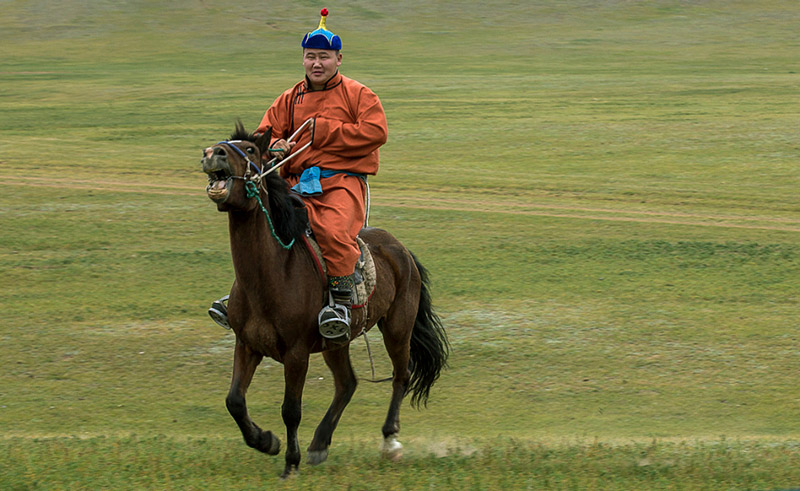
231 164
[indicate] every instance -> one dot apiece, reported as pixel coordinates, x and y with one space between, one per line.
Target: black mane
290 222
241 134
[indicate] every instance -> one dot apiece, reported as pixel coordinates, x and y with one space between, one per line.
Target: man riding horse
347 128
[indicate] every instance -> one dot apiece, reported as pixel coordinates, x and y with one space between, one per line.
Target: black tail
429 345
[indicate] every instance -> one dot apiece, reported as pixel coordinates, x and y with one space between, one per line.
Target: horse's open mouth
219 182
218 189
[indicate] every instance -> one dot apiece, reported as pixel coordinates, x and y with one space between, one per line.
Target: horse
278 292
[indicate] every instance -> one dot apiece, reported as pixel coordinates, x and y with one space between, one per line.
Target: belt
309 184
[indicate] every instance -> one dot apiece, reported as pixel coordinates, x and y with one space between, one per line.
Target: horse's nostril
219 152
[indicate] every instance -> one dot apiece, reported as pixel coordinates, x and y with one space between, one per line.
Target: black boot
334 319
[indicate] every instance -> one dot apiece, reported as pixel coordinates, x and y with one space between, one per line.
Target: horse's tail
429 345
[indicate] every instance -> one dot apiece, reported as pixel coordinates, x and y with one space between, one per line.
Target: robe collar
331 83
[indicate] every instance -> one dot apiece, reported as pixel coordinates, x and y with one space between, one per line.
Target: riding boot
334 319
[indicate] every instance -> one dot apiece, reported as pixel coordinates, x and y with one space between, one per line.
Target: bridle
272 165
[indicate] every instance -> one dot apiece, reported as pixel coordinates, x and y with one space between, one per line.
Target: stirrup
334 323
219 312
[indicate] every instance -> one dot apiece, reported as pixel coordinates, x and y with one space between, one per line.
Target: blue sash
309 184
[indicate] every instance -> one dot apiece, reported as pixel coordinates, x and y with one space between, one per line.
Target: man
348 127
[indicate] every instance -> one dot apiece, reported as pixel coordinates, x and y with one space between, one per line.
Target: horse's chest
260 337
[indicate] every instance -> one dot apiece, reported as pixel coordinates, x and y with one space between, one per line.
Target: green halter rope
252 191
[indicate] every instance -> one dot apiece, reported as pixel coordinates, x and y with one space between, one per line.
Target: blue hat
322 38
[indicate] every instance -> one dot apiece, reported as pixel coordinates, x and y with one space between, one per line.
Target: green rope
252 191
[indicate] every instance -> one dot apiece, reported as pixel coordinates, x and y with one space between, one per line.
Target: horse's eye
250 150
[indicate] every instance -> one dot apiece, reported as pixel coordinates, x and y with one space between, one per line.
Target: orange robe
349 126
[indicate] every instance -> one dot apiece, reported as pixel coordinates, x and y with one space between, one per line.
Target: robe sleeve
357 139
277 117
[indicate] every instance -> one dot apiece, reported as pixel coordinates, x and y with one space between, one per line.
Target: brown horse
278 293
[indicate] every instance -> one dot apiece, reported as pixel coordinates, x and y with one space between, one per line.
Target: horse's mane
241 134
289 222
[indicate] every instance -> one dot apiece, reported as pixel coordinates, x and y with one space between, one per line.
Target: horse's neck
255 252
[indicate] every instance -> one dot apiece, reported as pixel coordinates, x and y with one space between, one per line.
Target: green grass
201 463
605 194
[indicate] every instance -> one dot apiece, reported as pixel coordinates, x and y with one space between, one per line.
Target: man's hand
281 148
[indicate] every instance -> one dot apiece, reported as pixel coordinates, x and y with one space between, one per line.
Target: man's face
320 64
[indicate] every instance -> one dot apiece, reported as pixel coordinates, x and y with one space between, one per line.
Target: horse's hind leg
345 385
396 337
244 366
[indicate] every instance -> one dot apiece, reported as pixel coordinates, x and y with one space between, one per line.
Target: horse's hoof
269 443
316 457
392 449
289 471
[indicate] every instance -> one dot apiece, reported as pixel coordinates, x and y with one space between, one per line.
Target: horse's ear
263 139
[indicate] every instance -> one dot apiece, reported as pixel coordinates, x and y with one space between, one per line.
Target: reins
252 191
290 140
371 362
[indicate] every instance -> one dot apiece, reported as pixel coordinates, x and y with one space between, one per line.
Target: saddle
364 276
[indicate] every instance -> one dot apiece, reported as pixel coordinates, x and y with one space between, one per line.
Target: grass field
605 194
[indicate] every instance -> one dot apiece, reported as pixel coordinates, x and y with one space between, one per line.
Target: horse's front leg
345 385
295 367
245 362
